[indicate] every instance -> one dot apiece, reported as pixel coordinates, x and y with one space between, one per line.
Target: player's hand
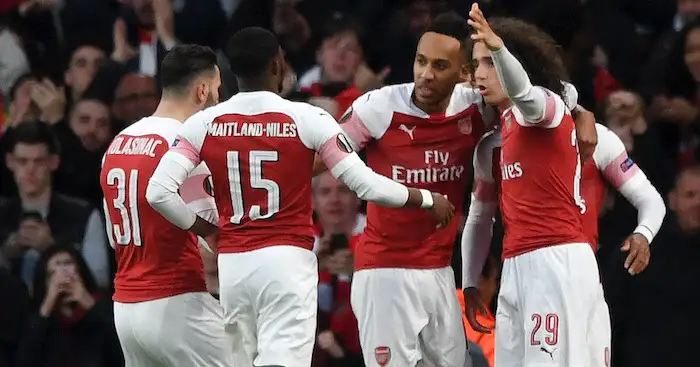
586 134
473 303
203 228
639 254
443 211
484 33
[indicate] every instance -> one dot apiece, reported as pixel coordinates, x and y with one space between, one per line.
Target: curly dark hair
536 50
678 81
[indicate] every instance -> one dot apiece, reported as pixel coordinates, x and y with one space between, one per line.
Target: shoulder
609 146
483 154
384 101
164 127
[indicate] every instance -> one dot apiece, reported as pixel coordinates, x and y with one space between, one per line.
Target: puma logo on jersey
408 131
551 353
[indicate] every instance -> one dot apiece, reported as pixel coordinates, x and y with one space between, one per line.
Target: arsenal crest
465 125
382 355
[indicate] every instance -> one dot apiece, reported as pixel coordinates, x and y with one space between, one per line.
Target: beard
210 101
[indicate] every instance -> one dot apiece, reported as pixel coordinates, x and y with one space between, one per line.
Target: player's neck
174 109
256 85
39 198
430 109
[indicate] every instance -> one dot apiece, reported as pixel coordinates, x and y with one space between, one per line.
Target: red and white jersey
423 151
540 199
260 149
611 165
155 259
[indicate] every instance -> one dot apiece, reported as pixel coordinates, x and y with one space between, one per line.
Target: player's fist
639 254
484 33
443 211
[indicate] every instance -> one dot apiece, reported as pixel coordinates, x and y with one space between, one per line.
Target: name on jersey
257 129
511 171
134 146
437 170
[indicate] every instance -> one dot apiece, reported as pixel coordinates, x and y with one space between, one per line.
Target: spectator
39 217
72 324
136 97
336 207
668 286
82 66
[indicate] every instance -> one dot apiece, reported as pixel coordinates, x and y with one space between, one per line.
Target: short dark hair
342 25
250 51
183 63
452 25
34 132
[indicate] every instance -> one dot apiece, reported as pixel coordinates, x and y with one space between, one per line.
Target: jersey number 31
256 159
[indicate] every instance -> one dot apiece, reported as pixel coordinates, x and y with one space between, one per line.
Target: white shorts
269 298
183 330
551 310
409 317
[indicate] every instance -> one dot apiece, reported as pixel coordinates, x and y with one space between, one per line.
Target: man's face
334 202
437 68
685 201
136 97
340 57
32 166
90 122
485 75
211 85
688 9
83 65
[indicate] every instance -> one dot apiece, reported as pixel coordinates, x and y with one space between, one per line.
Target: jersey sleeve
624 174
198 193
538 106
320 132
478 229
368 118
174 168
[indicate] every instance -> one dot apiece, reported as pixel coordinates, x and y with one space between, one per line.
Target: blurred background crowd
73 73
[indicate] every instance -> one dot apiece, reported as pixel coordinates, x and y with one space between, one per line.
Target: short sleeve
190 139
485 185
320 132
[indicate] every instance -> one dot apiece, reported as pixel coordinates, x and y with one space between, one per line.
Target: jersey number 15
256 159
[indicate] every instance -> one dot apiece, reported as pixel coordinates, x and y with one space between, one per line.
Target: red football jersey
260 149
155 259
610 166
540 199
432 152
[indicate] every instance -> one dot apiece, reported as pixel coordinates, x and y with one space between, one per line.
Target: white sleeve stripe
344 164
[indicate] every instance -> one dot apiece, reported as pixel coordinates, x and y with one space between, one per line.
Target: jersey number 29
256 159
129 231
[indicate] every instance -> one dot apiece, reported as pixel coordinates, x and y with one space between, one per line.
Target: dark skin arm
585 132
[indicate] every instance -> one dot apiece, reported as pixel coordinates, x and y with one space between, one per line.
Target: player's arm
478 229
321 133
353 125
621 172
172 171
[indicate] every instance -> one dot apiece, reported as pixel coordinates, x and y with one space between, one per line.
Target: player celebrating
421 134
260 149
610 166
163 312
551 308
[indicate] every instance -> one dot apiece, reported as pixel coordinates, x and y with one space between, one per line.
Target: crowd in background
73 73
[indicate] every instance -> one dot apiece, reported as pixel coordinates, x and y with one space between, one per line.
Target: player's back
257 148
540 198
432 152
155 259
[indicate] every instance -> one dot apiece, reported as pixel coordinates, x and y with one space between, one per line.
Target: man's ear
10 161
54 161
